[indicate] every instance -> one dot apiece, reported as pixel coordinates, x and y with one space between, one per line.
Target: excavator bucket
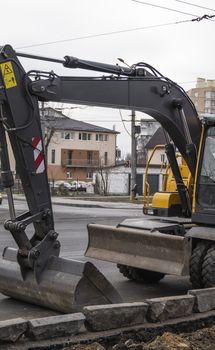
65 286
146 249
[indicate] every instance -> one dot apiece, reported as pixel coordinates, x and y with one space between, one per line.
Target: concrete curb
55 326
112 316
161 309
12 330
97 318
204 299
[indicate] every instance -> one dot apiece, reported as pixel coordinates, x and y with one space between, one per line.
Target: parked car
79 186
62 184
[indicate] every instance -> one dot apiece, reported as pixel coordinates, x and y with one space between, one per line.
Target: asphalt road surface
70 223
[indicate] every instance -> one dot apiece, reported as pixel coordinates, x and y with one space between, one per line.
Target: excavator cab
204 202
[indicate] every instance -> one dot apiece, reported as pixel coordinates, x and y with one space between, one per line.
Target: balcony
80 163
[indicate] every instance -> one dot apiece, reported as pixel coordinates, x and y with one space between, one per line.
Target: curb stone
55 326
12 330
204 299
109 319
105 317
161 309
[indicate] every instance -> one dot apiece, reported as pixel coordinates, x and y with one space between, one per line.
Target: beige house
76 148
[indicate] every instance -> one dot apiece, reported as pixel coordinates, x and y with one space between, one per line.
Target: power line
198 19
201 7
101 34
174 10
164 8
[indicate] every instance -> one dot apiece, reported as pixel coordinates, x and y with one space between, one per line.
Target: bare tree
51 120
102 177
49 133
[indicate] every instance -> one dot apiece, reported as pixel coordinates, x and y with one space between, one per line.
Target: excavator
145 249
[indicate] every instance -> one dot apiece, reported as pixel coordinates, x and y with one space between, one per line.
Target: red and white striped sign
38 154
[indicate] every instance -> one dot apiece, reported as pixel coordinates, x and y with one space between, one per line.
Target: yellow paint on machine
165 199
8 75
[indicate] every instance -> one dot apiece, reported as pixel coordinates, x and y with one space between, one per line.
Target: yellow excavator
144 249
167 201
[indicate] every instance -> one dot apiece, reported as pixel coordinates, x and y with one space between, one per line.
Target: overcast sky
181 51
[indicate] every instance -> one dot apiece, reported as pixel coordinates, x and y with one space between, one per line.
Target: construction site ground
203 339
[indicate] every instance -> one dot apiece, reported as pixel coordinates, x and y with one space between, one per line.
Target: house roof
157 139
59 121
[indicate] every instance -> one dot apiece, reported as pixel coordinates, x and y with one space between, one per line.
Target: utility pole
133 158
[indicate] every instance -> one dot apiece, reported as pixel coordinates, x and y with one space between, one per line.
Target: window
69 174
89 157
67 135
210 110
207 110
69 154
106 158
53 156
101 137
209 94
206 179
84 136
89 175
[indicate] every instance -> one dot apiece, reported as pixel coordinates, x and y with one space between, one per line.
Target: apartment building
203 96
76 148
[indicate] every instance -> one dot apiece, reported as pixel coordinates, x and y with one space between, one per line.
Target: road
70 223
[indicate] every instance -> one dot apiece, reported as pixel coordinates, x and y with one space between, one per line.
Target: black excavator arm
139 88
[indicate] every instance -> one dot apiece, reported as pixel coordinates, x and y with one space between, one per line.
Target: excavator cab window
206 183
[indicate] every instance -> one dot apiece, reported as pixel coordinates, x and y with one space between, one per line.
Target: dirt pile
203 339
168 341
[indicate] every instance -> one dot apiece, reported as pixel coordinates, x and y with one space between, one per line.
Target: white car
79 186
62 183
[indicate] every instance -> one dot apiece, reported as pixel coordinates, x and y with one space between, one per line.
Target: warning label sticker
8 75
